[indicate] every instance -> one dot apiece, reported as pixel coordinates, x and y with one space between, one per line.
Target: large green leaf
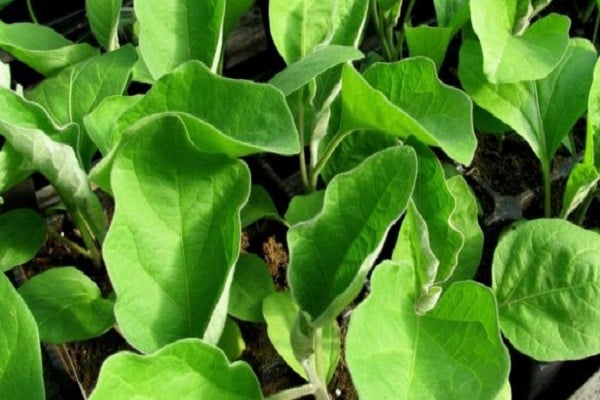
452 352
28 130
103 16
543 111
175 31
75 91
42 48
280 313
20 355
22 234
303 71
187 369
175 235
331 254
407 98
67 305
546 275
512 53
592 142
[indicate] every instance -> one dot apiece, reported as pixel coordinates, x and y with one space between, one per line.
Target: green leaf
251 284
22 234
390 10
331 254
299 26
582 180
546 275
436 205
5 78
428 41
512 53
4 3
75 91
303 71
103 16
304 207
453 352
20 355
31 134
229 107
41 48
231 341
542 112
234 11
280 312
451 12
592 142
259 205
174 237
101 122
67 305
188 368
175 31
399 99
464 218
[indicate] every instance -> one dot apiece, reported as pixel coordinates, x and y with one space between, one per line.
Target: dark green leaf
22 234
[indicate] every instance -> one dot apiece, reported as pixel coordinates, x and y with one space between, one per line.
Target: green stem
31 13
69 243
293 393
320 389
583 208
87 238
588 11
303 167
547 189
378 22
326 156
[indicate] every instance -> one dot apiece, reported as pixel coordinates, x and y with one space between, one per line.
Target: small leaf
428 41
546 275
537 110
449 12
259 205
170 31
303 71
101 122
231 341
20 356
75 91
22 234
452 352
304 207
103 16
582 180
251 284
184 369
175 235
280 312
331 254
512 53
67 305
42 48
398 99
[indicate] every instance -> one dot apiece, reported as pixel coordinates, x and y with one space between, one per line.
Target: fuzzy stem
293 393
300 122
326 156
381 32
31 13
69 243
87 238
547 189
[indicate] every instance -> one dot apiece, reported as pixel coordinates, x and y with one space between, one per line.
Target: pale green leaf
452 352
42 48
303 71
20 355
592 142
542 112
583 178
175 31
512 53
67 305
186 369
5 77
331 254
231 341
546 275
408 99
22 234
103 16
251 284
175 235
428 41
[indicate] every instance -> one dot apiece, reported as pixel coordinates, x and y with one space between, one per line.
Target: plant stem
583 208
547 189
31 13
87 238
300 124
326 156
320 390
588 11
69 243
293 393
378 21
